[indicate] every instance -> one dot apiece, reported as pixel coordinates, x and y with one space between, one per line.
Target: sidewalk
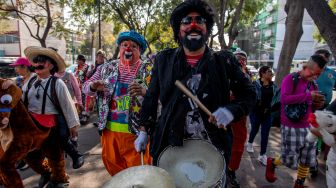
251 172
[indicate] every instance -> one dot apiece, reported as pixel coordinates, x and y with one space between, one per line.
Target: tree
293 33
84 18
227 17
325 20
148 17
316 35
46 16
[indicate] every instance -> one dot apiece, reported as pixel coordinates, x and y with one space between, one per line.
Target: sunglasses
189 19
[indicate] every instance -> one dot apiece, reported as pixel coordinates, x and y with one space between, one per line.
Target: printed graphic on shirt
194 123
120 104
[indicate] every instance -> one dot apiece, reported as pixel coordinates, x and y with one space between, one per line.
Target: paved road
251 172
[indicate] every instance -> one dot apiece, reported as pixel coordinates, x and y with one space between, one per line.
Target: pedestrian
326 83
73 87
209 75
299 96
327 118
242 59
91 103
24 69
327 80
260 116
82 73
239 129
49 101
100 60
120 86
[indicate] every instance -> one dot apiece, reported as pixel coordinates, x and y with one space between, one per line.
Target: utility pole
73 48
99 29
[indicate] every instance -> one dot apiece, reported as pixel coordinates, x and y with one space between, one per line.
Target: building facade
15 36
264 39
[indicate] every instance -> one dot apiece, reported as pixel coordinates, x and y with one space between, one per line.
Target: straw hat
33 51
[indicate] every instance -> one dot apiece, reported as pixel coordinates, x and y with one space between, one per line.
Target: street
251 172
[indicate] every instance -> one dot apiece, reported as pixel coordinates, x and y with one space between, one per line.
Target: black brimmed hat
188 6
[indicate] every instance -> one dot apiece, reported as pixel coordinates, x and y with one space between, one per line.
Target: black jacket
220 74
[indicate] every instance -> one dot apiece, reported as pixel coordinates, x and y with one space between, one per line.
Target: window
9 39
3 39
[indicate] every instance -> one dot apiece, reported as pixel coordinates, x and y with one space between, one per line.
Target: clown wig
188 6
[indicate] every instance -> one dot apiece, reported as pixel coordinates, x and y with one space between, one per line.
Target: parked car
71 68
7 71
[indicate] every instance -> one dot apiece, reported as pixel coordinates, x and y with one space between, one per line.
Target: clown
326 119
206 73
120 86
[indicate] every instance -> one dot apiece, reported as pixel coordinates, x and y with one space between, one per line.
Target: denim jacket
258 87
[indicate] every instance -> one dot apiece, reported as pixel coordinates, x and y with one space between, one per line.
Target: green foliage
151 17
316 34
148 17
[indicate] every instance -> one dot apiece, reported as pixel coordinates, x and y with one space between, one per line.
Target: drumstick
142 158
194 98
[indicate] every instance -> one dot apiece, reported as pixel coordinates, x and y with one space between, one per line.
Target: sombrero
33 51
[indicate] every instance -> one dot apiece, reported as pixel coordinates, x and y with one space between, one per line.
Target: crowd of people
140 110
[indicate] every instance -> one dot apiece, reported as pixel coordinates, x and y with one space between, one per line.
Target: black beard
193 44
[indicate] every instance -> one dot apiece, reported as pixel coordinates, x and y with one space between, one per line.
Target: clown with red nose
120 86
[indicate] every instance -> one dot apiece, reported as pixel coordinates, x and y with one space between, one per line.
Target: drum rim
198 139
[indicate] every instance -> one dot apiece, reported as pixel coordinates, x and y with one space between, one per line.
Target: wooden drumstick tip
142 158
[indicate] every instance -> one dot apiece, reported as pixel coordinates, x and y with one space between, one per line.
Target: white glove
141 142
223 116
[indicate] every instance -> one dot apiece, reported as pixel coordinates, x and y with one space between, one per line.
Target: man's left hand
136 89
221 117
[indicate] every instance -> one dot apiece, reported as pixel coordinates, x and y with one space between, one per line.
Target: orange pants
119 153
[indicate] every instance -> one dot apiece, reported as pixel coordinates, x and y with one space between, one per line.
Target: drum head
196 164
141 177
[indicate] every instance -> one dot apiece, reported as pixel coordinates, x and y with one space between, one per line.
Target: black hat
81 57
319 60
188 6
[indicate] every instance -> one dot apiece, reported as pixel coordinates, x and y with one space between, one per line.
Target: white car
71 68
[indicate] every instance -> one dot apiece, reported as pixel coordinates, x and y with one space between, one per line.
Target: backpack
276 105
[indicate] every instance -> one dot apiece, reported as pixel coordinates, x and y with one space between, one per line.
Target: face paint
193 35
129 53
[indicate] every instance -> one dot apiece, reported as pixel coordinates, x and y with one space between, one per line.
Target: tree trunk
92 43
116 52
233 29
43 43
325 21
294 31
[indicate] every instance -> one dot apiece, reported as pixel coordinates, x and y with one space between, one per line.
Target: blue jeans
265 123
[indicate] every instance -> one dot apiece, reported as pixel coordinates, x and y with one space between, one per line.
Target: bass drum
197 164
